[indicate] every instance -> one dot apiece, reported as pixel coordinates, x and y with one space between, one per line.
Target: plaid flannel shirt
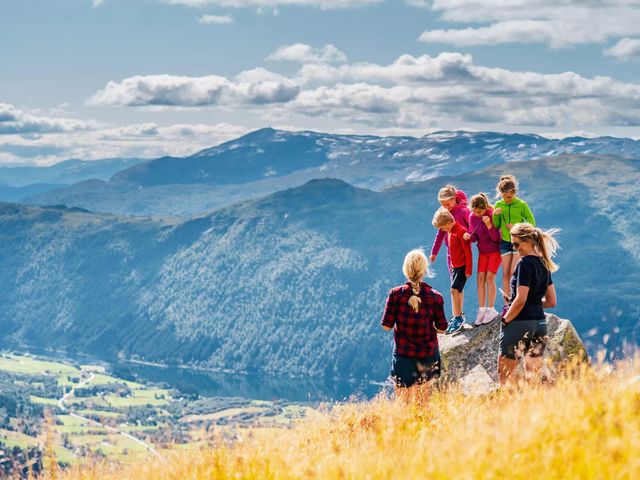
415 332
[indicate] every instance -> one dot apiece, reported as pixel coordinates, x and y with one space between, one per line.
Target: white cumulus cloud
303 53
18 121
556 33
626 49
163 90
558 23
145 140
411 93
258 86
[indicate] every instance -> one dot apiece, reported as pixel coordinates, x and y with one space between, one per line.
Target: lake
224 384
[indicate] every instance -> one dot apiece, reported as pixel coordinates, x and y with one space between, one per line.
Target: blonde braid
415 300
415 267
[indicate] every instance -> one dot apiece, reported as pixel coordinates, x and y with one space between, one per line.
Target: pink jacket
488 239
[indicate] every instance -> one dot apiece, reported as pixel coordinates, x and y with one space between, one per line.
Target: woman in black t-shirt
524 326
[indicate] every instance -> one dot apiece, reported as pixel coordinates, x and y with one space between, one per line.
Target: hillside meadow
585 426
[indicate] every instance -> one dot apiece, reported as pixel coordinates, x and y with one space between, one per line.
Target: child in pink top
487 237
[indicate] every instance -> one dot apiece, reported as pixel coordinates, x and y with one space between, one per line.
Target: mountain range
268 160
18 182
293 283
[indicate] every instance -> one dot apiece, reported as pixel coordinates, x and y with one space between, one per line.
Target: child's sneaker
480 316
490 315
455 325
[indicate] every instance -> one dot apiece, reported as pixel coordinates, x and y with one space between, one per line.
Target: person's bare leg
491 289
481 280
507 371
506 273
456 301
453 304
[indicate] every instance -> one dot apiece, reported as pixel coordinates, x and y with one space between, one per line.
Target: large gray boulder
470 357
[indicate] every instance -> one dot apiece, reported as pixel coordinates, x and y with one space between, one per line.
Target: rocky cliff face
471 356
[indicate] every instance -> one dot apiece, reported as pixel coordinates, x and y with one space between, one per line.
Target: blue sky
94 79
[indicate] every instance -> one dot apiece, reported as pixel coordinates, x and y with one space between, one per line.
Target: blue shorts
506 248
407 371
523 337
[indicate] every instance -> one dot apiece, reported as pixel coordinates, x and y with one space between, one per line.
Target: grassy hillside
586 428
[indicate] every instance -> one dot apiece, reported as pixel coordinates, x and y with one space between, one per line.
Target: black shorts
458 278
407 371
523 337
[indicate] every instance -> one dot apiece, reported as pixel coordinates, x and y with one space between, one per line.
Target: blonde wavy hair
543 241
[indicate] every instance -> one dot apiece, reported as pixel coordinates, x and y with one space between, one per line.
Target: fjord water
253 386
208 383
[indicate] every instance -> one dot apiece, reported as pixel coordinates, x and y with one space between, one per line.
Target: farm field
94 413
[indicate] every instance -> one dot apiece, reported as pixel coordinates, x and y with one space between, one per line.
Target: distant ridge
269 160
19 182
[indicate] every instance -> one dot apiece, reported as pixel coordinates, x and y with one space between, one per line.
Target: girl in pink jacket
455 201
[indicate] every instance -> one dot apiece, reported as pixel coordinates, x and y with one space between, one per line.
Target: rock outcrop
470 357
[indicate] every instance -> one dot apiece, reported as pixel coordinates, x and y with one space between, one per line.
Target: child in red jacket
461 262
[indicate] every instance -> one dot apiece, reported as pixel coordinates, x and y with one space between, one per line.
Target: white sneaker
490 315
480 316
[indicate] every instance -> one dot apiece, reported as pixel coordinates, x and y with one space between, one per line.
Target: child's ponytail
507 183
480 201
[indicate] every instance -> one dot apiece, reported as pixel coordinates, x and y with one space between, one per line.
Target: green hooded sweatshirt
515 212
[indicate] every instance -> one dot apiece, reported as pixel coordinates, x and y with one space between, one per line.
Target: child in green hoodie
508 211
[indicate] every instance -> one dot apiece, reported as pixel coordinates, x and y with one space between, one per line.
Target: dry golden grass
580 428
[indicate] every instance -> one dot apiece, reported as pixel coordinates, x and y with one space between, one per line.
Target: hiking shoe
490 315
455 325
480 316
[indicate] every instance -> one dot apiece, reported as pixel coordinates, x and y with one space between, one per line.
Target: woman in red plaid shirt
415 311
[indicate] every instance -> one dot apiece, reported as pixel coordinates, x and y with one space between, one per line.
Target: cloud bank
559 24
14 121
258 86
26 138
411 92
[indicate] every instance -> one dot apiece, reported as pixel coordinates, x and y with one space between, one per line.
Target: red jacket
459 249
